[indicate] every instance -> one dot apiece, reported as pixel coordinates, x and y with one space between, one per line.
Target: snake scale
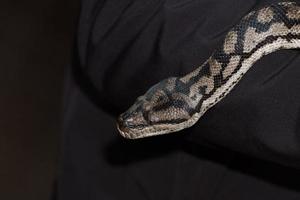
177 103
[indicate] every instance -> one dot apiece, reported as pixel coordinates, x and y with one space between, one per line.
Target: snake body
177 103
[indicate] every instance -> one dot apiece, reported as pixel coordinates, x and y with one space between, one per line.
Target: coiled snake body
177 103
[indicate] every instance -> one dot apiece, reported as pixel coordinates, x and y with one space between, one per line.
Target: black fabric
246 147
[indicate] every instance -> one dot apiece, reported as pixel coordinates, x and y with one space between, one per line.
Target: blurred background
36 38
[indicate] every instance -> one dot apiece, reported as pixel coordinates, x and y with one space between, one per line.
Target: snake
177 103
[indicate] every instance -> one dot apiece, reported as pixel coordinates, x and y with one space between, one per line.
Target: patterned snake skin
177 103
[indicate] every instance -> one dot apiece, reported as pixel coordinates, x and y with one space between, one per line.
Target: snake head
162 109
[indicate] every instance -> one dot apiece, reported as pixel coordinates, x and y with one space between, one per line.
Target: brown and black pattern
177 103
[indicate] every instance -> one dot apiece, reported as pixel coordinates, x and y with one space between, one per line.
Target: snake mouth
154 130
146 132
127 124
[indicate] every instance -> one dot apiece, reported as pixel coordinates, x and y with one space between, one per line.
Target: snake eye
160 99
153 118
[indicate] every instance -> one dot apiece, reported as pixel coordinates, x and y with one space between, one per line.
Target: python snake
177 103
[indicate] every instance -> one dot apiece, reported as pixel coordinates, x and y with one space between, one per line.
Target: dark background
36 38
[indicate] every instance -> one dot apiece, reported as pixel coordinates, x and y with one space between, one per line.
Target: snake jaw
158 129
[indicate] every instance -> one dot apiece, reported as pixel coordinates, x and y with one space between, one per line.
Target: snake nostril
120 118
121 122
